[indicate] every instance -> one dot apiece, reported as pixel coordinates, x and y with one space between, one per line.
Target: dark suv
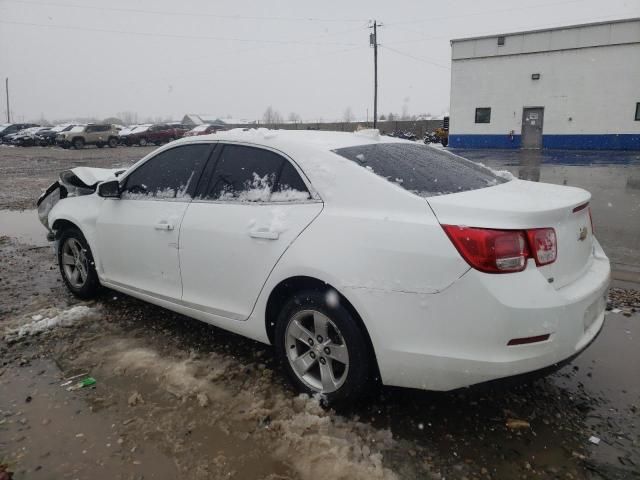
158 134
9 128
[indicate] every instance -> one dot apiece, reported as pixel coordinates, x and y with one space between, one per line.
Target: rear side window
248 174
420 169
170 175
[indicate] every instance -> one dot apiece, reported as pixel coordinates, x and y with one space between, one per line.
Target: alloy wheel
74 262
317 351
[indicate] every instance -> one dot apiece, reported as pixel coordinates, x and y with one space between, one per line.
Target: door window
248 174
170 175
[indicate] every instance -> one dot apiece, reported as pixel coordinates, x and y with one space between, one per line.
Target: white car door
138 232
234 232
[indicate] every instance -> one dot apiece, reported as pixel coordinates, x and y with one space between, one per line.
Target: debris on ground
594 440
517 424
134 399
87 382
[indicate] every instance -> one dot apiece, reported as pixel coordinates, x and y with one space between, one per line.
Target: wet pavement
176 398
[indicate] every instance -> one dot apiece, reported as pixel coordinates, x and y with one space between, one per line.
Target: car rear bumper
459 337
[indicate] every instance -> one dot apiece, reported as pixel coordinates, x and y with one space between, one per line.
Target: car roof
287 140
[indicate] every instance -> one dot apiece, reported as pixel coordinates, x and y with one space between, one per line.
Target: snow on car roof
314 139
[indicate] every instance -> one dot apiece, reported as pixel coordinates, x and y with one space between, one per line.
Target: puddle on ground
24 226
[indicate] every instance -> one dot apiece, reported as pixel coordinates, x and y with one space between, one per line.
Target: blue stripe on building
627 141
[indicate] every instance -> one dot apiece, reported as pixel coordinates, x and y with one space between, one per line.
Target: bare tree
294 117
348 115
128 118
271 116
391 117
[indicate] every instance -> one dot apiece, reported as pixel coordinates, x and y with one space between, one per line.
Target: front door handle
264 233
163 226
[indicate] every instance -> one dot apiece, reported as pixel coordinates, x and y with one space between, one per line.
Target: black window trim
212 150
204 183
475 118
637 118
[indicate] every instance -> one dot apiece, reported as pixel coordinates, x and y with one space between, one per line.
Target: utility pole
6 86
373 41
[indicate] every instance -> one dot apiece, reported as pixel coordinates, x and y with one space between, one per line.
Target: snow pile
370 133
314 442
40 323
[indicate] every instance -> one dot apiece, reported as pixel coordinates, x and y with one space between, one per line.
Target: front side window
483 115
638 112
420 169
248 174
170 175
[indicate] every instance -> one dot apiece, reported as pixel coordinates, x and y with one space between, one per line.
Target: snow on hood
90 176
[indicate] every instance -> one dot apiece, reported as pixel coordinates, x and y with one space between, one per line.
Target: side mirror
110 189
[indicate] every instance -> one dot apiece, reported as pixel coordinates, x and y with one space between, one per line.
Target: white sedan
360 257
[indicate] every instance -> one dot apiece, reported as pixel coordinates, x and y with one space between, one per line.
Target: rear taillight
543 244
491 251
503 251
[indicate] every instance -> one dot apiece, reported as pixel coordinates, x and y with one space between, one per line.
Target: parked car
11 128
157 134
203 130
48 137
357 256
92 134
26 137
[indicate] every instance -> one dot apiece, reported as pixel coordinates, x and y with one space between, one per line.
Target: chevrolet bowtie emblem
583 234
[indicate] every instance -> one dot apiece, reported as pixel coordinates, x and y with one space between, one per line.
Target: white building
569 87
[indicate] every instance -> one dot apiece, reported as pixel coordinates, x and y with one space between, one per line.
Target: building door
532 119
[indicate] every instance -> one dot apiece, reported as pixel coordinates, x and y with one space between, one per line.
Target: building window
638 112
483 115
500 41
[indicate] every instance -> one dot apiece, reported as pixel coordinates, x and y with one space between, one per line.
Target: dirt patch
26 172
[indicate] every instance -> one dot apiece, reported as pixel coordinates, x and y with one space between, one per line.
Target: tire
113 142
336 362
444 142
78 143
78 270
142 142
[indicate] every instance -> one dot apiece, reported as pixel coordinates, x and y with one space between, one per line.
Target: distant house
200 119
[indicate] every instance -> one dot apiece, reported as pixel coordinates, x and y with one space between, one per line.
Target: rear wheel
78 143
76 264
142 142
113 142
322 348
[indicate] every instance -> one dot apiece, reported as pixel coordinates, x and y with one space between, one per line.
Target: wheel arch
289 286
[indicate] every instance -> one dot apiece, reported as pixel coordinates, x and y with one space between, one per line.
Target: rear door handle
264 233
163 226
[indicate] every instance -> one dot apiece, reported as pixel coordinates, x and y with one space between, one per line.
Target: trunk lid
521 205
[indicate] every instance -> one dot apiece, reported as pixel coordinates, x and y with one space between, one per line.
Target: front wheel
76 264
113 142
322 348
78 143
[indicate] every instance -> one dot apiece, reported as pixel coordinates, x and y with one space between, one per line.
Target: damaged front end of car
71 183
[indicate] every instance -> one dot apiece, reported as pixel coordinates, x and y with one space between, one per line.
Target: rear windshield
423 170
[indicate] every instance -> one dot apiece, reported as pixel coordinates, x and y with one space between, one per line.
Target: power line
484 12
430 62
170 35
189 14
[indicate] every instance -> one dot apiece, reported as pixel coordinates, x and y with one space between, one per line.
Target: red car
203 130
157 133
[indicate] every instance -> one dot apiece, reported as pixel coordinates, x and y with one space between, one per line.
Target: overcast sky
79 58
